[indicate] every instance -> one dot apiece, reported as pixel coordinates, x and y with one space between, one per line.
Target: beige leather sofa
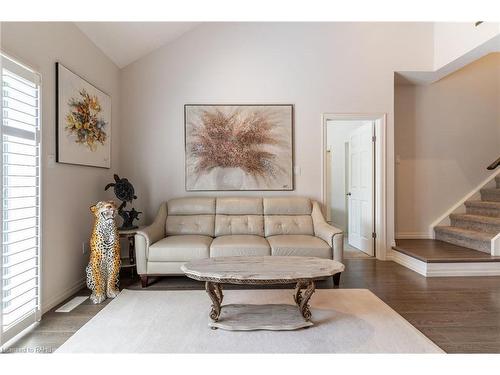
200 227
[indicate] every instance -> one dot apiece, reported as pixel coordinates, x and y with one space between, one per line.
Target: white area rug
346 321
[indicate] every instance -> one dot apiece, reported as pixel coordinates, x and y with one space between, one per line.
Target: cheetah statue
104 266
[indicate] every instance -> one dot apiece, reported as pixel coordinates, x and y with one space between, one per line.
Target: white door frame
380 222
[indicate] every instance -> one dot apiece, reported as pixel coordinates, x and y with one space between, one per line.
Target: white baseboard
463 269
54 301
414 236
409 262
445 269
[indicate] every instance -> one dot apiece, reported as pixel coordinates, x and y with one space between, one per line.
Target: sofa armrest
156 230
328 233
147 236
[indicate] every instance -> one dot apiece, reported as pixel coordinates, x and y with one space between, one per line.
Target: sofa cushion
180 248
239 245
239 224
190 224
191 206
288 224
239 206
299 245
287 206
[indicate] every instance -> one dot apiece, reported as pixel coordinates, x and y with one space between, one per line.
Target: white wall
446 135
68 190
320 67
338 133
454 39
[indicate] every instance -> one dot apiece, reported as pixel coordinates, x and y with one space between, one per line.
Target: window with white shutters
20 209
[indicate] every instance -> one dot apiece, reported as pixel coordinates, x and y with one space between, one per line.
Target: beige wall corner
67 190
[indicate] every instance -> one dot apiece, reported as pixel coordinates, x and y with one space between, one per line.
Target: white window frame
30 74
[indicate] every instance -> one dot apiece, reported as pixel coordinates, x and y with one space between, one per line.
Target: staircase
478 225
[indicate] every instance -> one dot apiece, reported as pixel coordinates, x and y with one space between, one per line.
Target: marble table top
261 269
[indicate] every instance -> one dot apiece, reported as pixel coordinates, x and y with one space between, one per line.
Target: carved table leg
297 297
302 300
218 290
214 291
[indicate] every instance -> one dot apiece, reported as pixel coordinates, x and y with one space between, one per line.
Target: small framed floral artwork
239 147
83 130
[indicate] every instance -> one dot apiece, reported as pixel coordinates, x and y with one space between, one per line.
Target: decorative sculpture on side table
104 267
124 191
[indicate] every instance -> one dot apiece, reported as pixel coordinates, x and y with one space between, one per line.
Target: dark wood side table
129 262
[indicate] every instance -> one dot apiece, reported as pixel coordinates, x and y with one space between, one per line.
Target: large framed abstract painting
238 147
83 131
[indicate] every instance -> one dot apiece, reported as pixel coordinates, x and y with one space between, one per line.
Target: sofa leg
336 279
144 281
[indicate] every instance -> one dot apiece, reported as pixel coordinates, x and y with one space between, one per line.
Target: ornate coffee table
266 270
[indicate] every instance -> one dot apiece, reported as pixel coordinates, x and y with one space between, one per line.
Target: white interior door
360 193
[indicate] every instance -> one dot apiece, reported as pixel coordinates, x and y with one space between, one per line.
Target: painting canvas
239 147
83 121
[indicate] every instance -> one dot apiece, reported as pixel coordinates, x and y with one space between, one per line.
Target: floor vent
68 306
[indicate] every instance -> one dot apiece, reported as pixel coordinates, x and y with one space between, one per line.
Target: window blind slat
19 143
8 89
9 109
20 208
20 277
19 273
32 104
11 76
19 251
19 284
21 291
20 305
21 265
16 230
19 219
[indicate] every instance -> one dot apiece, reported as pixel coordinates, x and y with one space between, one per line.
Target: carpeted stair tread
491 190
476 218
483 204
473 234
476 222
490 194
481 222
483 208
472 239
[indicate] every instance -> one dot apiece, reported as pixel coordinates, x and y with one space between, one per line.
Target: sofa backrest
235 215
287 215
222 216
191 216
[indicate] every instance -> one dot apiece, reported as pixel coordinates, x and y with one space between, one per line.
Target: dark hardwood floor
435 251
460 314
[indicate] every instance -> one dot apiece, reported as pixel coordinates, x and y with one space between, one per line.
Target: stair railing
493 165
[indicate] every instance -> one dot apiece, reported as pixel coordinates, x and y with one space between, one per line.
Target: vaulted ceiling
126 42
